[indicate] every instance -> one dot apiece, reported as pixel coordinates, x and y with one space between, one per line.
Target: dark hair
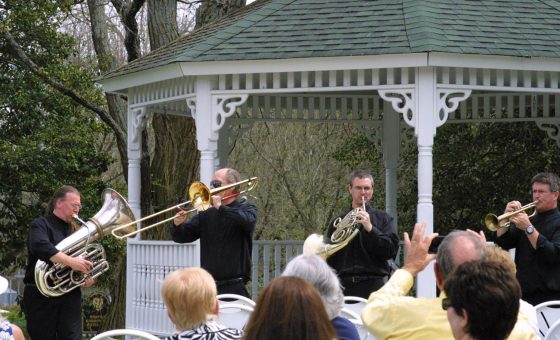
360 174
445 259
547 178
60 195
489 292
289 308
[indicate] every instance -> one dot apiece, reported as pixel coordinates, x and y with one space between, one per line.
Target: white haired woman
317 272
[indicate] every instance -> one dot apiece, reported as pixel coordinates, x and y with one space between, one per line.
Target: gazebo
399 69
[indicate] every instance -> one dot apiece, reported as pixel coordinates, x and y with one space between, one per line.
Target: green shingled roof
285 29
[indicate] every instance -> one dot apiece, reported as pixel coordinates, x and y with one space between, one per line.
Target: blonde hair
190 297
497 254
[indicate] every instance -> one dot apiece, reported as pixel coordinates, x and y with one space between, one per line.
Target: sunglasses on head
215 183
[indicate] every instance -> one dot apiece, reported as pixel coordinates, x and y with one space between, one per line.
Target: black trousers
362 287
53 318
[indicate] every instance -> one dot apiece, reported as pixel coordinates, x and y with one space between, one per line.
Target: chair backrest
349 314
234 315
547 314
553 332
234 298
120 332
362 330
355 304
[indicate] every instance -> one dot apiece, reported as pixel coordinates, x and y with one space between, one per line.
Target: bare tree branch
16 50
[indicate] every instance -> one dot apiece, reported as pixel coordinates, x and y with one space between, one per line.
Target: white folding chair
234 298
234 315
138 334
547 314
553 332
349 314
355 304
362 330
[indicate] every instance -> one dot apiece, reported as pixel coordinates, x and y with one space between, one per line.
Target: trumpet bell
491 222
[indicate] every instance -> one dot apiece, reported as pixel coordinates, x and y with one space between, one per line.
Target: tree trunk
175 162
212 10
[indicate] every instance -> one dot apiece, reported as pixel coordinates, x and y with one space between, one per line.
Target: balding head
456 248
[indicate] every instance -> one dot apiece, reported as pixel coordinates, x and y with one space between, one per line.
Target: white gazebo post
137 119
391 153
207 139
425 112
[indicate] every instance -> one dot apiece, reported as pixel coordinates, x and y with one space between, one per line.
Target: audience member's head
482 300
317 272
190 297
289 308
498 254
457 247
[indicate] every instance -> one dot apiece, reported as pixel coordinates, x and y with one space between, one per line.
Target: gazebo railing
148 262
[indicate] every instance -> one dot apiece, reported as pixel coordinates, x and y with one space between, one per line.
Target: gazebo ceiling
289 29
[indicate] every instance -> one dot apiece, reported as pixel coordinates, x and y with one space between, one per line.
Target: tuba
346 230
56 279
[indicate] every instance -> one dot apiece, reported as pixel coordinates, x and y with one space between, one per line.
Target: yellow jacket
390 314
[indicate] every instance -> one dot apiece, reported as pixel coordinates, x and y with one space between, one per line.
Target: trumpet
493 222
200 197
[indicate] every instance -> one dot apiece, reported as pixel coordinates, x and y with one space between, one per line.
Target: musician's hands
80 264
362 217
521 220
180 217
512 206
89 282
417 256
216 201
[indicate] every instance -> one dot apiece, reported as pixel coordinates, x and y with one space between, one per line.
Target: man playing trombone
536 240
225 231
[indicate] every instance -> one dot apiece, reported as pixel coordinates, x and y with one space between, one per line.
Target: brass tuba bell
57 279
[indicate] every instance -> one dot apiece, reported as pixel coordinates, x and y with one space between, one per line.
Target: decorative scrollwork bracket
448 101
224 107
191 104
138 120
403 101
552 129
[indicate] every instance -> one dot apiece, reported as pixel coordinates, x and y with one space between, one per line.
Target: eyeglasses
215 183
75 206
446 303
541 192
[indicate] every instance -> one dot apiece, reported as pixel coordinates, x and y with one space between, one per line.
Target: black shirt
43 236
538 270
226 239
368 252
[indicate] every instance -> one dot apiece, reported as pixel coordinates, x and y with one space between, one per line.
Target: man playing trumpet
536 240
225 231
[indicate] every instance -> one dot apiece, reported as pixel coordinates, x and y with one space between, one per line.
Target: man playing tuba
51 318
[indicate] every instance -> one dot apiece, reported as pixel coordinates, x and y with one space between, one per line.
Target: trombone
493 222
200 198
